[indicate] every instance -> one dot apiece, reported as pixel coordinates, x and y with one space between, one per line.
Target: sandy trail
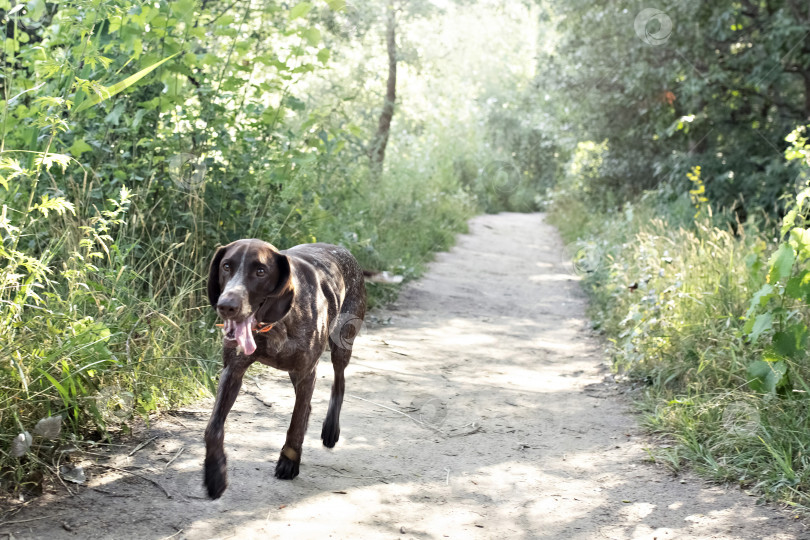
513 431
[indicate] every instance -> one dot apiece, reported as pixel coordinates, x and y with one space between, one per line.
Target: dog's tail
381 277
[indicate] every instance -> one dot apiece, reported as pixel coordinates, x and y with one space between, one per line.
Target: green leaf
181 8
48 159
61 389
766 376
760 299
800 240
60 205
10 45
109 91
786 344
87 331
323 56
13 169
79 147
788 221
781 263
802 197
295 104
115 115
762 323
313 36
798 286
300 9
336 5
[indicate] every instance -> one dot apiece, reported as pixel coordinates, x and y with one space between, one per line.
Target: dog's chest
290 353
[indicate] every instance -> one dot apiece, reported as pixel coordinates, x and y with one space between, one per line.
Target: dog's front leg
230 381
290 458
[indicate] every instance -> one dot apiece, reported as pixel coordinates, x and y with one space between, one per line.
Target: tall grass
138 136
83 338
104 318
670 293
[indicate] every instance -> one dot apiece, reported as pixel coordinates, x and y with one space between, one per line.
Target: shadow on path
479 410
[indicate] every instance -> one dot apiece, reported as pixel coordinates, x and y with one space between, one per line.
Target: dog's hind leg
330 433
341 340
290 458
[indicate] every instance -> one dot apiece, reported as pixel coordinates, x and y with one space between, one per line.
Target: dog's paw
286 469
330 433
216 475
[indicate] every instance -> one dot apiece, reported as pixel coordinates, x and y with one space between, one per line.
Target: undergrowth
103 326
138 136
712 316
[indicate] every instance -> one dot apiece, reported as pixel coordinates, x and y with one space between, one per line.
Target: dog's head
249 282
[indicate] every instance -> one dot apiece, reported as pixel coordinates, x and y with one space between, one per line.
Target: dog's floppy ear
213 277
279 300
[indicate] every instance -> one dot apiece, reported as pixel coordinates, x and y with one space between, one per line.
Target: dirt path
512 431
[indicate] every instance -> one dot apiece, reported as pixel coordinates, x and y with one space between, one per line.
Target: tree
716 84
380 140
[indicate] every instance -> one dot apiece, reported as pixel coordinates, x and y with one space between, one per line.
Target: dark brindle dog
280 308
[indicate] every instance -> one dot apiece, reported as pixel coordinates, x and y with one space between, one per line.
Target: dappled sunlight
542 278
497 332
666 143
640 510
514 378
454 340
461 419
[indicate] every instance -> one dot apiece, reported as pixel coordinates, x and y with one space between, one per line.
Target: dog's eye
261 272
226 267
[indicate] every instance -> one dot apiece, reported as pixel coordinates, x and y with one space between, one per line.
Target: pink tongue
243 332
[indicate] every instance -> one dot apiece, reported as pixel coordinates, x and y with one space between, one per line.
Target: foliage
778 310
137 136
712 321
670 124
715 84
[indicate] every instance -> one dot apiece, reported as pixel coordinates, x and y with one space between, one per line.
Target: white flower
49 428
21 444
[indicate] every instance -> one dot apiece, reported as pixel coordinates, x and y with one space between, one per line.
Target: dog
281 308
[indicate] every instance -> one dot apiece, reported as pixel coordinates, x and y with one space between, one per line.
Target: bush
711 319
128 155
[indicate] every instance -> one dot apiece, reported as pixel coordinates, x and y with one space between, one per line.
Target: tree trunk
806 75
380 141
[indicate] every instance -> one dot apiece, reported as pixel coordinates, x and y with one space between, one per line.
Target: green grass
118 325
670 293
103 315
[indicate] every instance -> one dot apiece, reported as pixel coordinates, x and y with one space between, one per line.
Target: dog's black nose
227 307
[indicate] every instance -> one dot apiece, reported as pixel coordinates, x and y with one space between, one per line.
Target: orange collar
264 327
261 327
